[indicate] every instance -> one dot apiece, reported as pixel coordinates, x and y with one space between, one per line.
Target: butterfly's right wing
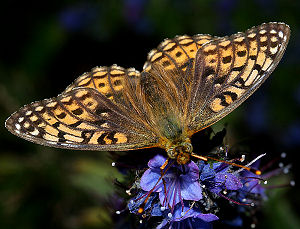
97 112
228 70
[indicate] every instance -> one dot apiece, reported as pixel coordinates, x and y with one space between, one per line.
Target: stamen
257 172
233 201
141 208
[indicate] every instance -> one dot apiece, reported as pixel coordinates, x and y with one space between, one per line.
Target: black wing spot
220 80
78 111
273 44
252 57
117 82
166 63
241 53
208 71
86 135
100 140
178 54
62 115
99 122
56 124
226 59
101 84
76 124
89 104
99 111
240 68
61 137
257 67
111 135
223 100
37 122
231 94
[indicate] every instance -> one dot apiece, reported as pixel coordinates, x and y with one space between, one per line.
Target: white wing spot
39 108
21 119
280 34
273 31
28 113
26 125
105 125
18 126
251 35
274 39
52 104
35 132
263 31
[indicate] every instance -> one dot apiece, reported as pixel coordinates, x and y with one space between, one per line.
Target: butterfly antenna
255 171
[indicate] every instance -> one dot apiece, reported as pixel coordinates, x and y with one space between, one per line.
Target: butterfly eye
173 152
187 147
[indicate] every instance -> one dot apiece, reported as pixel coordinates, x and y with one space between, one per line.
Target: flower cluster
186 196
199 194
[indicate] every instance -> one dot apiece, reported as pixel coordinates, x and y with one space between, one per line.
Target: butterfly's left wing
99 111
228 70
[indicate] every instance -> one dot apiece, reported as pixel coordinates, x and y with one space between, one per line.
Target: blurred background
45 45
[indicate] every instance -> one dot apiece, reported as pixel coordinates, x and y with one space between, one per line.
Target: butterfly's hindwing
228 70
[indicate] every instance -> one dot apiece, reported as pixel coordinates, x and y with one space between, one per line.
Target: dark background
45 45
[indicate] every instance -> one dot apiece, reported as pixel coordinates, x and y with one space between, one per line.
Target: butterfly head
181 152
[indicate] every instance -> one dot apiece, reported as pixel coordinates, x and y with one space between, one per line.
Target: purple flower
135 203
187 217
181 182
217 177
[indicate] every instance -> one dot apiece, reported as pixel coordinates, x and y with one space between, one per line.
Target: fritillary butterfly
187 84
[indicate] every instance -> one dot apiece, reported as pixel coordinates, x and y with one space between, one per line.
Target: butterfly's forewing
228 70
176 56
82 118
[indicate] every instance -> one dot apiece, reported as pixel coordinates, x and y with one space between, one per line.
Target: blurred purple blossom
257 116
292 136
78 16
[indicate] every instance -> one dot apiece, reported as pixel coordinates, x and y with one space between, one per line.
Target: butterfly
187 84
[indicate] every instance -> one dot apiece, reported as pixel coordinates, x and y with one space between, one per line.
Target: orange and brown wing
81 118
228 70
176 58
114 82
